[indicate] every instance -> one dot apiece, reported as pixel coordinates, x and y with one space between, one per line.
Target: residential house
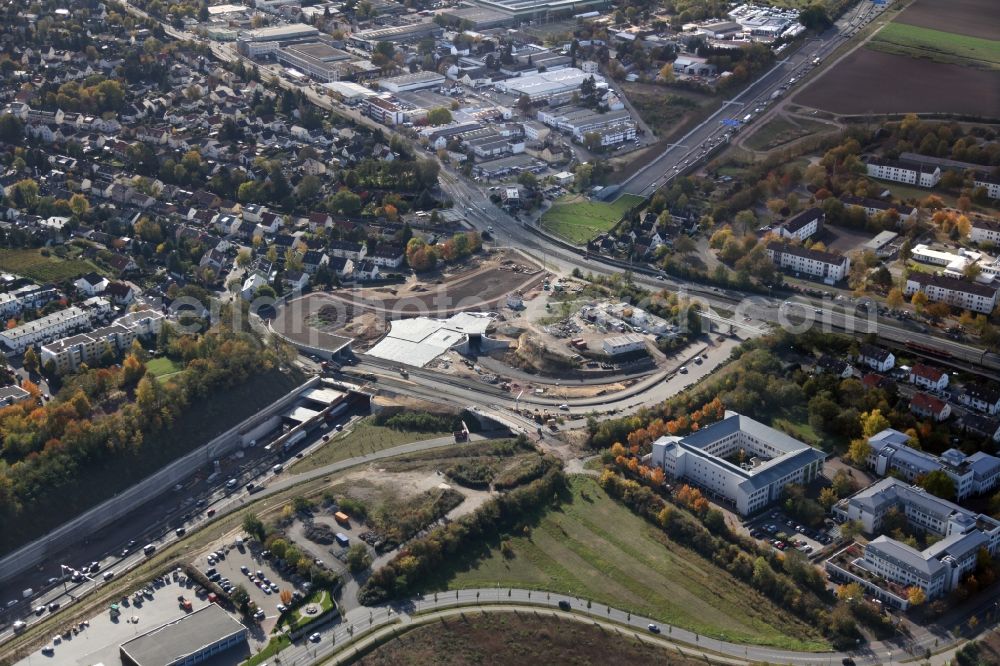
295 281
347 249
835 366
313 259
366 269
981 397
927 406
983 426
876 358
929 377
91 284
342 267
388 256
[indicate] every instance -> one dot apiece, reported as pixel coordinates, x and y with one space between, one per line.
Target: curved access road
362 626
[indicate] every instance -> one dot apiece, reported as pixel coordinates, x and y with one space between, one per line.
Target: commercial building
954 262
891 453
802 226
267 41
192 639
904 171
548 9
829 267
316 59
620 345
938 568
398 34
420 340
349 92
68 354
415 81
479 18
384 111
739 459
578 121
548 86
882 244
956 292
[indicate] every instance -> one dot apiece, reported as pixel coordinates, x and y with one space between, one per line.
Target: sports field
937 45
595 548
578 219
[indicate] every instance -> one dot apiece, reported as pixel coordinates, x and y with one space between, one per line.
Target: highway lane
694 146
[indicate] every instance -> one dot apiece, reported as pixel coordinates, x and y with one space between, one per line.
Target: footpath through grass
32 264
937 45
364 437
597 549
578 219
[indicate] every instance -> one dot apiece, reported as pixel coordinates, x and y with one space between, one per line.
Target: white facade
68 354
44 329
904 172
928 377
985 231
831 268
772 461
623 344
953 291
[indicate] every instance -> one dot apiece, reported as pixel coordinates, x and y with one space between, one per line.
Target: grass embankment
594 548
578 220
513 639
936 45
779 131
200 422
364 437
33 264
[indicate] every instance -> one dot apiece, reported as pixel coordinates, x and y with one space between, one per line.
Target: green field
578 220
595 548
163 366
937 45
364 437
32 264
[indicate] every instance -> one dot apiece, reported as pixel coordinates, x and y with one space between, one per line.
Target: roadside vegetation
109 426
377 433
578 219
514 639
590 546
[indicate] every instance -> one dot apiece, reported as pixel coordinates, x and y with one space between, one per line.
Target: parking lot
239 565
783 533
97 640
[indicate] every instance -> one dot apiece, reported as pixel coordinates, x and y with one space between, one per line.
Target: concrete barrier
120 505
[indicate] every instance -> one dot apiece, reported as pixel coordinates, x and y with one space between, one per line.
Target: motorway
693 147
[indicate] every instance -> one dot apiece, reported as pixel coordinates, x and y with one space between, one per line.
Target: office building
739 459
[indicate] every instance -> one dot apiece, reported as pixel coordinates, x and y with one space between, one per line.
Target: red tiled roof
928 372
926 403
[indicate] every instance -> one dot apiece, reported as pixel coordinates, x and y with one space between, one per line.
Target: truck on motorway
747 117
776 94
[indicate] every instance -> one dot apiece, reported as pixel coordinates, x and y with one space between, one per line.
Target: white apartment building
956 292
938 568
802 226
901 171
14 302
985 231
69 353
832 268
875 206
707 458
991 184
49 327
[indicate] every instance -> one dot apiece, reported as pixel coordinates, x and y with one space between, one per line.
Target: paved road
363 622
693 146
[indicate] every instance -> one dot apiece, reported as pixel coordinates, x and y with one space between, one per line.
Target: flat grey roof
188 635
